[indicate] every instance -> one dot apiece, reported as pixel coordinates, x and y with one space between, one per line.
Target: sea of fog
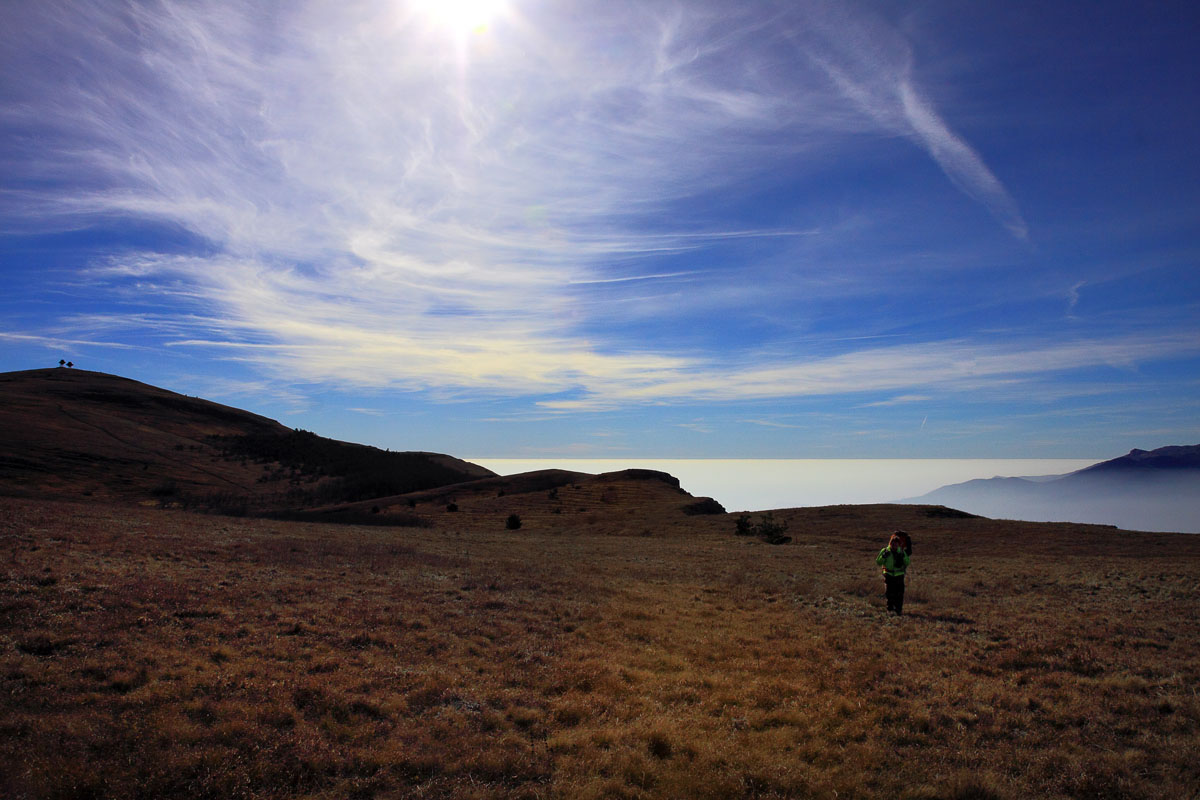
761 484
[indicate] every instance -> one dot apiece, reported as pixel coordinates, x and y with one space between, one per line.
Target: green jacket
893 563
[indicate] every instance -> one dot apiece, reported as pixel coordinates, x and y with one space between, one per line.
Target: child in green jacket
895 562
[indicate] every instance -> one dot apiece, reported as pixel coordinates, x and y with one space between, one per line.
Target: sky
543 228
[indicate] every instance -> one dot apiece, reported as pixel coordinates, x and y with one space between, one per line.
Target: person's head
895 542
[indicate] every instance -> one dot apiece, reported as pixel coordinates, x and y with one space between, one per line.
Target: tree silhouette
70 364
62 361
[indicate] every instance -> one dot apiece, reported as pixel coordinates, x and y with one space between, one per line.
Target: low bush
767 528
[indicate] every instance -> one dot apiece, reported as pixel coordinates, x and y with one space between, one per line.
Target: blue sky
618 229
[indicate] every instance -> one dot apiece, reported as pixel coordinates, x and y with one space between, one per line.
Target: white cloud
1073 298
64 343
961 164
370 412
766 423
895 401
872 66
378 211
947 366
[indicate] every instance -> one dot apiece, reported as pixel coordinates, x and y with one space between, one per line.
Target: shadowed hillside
628 502
67 433
72 433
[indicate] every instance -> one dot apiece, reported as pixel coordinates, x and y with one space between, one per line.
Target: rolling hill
70 433
630 502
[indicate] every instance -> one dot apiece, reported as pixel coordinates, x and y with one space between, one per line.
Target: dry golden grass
160 654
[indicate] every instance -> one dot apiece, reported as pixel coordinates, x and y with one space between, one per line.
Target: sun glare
460 16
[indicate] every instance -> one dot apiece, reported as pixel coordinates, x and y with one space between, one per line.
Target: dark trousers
895 592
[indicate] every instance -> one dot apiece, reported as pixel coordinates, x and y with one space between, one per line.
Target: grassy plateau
160 653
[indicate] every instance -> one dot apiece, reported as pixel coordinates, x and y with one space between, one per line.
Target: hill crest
73 433
1173 457
70 433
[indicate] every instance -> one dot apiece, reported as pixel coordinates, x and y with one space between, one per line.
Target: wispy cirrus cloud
768 423
380 208
946 365
871 64
64 343
903 399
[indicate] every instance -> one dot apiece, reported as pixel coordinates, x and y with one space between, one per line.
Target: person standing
895 563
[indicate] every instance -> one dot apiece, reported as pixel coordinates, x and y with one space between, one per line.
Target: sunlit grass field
151 653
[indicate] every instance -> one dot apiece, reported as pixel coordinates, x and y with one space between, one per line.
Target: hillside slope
632 502
70 433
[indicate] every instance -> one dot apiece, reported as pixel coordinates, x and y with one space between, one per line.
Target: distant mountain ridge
1162 458
1154 490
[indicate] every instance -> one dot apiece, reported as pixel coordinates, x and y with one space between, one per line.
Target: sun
460 16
